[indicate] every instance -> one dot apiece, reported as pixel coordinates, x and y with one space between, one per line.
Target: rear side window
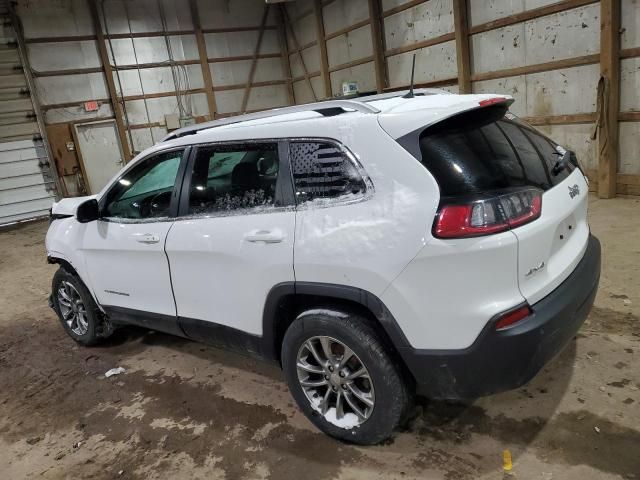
487 149
228 178
322 170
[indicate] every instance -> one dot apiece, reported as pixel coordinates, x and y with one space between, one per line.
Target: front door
124 250
236 241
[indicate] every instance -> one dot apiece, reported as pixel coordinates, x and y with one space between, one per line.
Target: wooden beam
147 96
629 117
111 36
77 103
309 75
630 52
429 42
237 29
111 87
530 15
324 58
284 53
461 29
377 40
71 71
537 68
254 62
238 58
69 38
140 66
353 63
240 86
296 46
445 82
608 97
116 36
307 45
402 8
576 118
204 61
348 29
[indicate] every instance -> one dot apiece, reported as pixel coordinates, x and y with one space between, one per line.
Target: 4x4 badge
574 191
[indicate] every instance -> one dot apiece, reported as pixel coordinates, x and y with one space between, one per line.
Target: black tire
393 395
96 327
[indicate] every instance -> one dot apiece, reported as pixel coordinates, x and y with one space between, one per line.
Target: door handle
265 236
147 238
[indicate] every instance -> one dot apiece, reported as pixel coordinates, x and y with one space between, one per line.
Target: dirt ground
184 410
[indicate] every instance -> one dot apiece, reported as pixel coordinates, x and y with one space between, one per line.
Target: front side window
233 177
145 191
322 170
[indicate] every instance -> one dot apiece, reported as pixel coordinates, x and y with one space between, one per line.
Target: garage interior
85 85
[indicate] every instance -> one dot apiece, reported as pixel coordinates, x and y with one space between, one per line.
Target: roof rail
327 108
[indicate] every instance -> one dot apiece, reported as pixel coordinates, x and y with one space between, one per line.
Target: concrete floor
183 410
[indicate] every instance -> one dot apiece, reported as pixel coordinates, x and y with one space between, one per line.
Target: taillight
512 317
492 101
488 215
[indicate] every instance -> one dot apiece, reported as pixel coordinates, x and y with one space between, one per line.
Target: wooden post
375 20
204 63
254 62
108 73
322 45
461 25
297 48
608 97
284 48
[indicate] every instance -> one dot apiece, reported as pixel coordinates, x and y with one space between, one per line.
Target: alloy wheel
72 308
335 380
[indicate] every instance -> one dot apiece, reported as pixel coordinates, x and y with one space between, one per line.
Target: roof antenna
413 71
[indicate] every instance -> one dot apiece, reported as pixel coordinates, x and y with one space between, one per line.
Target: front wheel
76 309
343 377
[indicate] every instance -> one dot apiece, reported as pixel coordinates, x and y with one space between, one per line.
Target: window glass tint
481 151
322 170
232 177
145 191
547 150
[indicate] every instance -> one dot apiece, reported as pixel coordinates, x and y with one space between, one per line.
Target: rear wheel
76 309
343 378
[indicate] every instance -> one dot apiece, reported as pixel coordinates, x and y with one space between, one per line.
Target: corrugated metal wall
27 189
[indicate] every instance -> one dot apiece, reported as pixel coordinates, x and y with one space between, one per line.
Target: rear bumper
504 360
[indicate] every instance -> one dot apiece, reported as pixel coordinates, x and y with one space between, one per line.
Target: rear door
234 239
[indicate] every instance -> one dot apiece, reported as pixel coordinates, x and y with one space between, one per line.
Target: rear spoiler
410 140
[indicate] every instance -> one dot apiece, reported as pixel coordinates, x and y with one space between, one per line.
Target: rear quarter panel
367 243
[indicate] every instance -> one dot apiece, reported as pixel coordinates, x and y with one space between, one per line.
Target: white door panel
223 267
127 265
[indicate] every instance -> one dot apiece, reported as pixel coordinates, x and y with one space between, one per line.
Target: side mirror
88 211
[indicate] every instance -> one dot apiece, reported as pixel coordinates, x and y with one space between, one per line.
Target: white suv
376 248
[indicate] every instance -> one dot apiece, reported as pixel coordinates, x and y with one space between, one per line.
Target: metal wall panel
25 192
26 188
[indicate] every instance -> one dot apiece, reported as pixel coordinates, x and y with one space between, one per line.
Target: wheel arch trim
282 292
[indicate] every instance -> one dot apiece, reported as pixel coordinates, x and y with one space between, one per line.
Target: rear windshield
489 149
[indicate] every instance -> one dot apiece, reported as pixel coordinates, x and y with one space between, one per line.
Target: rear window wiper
562 162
